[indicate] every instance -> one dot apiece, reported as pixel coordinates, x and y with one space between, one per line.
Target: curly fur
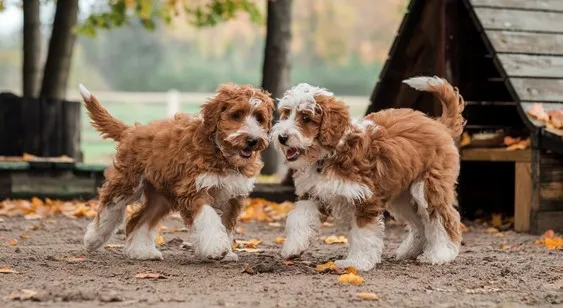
184 164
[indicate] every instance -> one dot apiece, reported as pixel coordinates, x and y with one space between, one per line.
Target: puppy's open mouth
292 154
246 153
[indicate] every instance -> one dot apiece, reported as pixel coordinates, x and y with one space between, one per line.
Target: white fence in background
174 99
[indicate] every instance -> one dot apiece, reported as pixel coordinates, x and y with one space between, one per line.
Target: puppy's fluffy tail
452 102
102 121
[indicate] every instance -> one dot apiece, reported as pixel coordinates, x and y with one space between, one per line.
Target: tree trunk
57 66
31 48
276 69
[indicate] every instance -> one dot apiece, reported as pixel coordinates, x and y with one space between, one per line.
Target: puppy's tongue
245 153
291 153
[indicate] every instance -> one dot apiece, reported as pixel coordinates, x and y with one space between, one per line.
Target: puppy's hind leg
442 227
116 193
366 238
300 227
141 227
404 209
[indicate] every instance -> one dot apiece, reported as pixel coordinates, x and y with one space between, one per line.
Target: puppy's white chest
227 186
330 188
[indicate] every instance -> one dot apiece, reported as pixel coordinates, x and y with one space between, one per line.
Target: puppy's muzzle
251 142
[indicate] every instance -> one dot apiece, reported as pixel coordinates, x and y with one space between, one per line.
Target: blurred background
148 59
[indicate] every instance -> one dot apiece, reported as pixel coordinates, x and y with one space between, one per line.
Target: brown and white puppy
198 166
398 160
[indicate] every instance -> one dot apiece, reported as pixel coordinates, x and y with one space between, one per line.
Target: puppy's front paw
360 265
293 249
214 245
230 257
139 251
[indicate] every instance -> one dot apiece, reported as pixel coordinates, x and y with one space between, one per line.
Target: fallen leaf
33 216
113 245
329 267
367 296
498 234
491 230
350 278
239 230
24 236
253 243
25 294
7 270
149 275
251 250
280 240
274 224
465 140
13 242
333 239
288 262
496 220
505 246
554 243
75 259
549 234
159 239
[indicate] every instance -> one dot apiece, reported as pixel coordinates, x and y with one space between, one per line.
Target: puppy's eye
260 119
305 118
236 115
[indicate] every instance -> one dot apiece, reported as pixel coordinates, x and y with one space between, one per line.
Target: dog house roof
496 51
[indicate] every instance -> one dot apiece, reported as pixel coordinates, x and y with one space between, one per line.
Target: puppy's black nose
251 141
282 139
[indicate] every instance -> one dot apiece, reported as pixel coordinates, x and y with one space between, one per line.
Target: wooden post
522 196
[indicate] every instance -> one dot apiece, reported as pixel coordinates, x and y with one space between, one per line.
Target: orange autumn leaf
75 259
159 239
13 242
333 239
149 275
351 278
253 243
280 240
554 243
24 236
7 270
250 250
325 267
496 220
367 296
549 234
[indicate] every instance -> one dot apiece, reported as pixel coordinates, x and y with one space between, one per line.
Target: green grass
98 151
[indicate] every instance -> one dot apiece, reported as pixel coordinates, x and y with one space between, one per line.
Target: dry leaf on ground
329 267
24 236
75 259
350 278
159 239
13 242
113 245
253 243
257 209
550 240
333 239
496 220
7 270
149 275
367 296
251 250
25 294
280 240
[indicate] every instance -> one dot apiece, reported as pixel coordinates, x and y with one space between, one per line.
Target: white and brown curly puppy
398 160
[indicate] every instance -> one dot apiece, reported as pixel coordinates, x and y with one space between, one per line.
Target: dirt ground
491 271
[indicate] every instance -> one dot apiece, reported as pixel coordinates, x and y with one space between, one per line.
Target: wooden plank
518 20
552 192
547 220
496 154
543 5
526 42
538 89
518 65
522 196
48 185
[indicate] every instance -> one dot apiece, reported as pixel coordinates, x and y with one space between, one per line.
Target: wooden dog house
503 55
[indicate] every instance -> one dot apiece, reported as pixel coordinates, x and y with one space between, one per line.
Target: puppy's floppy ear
211 110
335 120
